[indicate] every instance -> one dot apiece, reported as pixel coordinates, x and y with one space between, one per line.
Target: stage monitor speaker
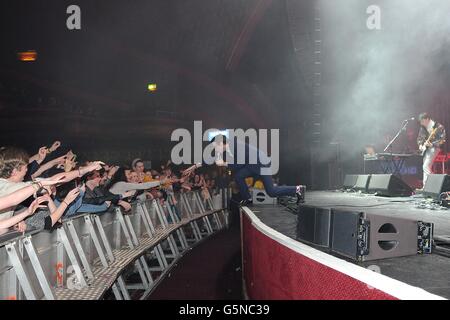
314 225
362 182
388 185
260 196
350 181
364 237
435 185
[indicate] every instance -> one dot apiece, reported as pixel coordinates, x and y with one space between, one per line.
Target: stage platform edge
276 266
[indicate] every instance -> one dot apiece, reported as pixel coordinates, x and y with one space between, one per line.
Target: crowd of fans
37 192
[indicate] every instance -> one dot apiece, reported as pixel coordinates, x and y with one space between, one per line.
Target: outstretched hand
167 181
60 160
21 227
125 205
72 195
96 165
36 204
54 146
189 171
42 154
112 171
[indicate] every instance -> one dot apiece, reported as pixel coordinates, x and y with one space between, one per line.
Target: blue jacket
233 159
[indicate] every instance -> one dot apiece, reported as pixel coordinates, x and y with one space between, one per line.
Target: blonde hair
12 158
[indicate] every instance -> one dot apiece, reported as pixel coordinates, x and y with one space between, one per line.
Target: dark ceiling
229 63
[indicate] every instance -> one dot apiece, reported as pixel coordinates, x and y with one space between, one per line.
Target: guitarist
431 138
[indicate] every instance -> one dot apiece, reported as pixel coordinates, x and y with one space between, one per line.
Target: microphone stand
403 128
397 167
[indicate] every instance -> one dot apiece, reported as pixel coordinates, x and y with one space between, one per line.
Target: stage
274 227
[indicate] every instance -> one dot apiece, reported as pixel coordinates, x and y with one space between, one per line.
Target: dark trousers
254 171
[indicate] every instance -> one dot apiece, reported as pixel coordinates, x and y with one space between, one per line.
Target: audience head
424 119
13 164
94 178
138 165
119 176
133 177
127 173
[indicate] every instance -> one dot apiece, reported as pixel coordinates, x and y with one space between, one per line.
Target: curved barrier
112 255
278 267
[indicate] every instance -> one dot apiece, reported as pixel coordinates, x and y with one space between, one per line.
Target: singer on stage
247 169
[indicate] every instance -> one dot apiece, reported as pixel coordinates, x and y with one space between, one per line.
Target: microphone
406 123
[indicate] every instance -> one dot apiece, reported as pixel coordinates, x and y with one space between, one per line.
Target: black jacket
99 195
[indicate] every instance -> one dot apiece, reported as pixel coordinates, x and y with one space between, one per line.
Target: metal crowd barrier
111 255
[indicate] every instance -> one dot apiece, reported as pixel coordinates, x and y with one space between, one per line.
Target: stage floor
430 272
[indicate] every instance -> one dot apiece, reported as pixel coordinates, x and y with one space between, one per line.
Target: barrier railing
109 255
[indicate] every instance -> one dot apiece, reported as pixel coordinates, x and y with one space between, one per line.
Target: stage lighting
152 87
30 55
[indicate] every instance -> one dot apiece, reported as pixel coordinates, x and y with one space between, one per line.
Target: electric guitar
423 148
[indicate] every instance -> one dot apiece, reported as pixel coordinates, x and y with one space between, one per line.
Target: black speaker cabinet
388 185
435 185
314 225
350 181
363 237
362 182
348 234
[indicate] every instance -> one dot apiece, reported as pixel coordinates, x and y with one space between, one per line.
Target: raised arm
43 151
7 223
219 162
189 171
69 176
70 197
40 156
20 195
48 165
127 186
